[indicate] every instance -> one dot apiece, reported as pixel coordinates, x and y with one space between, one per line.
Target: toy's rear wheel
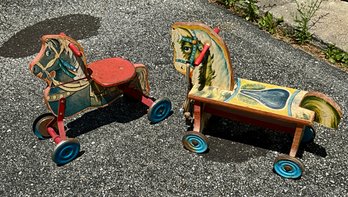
288 167
195 142
159 110
66 151
40 125
308 135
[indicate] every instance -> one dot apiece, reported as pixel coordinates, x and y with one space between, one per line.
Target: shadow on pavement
121 111
27 41
237 142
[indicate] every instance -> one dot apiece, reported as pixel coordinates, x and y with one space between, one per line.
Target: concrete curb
331 28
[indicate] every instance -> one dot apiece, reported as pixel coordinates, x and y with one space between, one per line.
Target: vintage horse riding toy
74 86
201 55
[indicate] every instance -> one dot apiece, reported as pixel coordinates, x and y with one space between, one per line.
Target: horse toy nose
35 69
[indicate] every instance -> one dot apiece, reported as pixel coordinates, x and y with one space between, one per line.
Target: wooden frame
271 106
73 87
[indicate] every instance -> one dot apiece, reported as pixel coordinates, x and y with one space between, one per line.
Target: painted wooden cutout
201 55
73 86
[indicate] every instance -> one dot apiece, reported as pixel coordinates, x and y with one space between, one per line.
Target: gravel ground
124 155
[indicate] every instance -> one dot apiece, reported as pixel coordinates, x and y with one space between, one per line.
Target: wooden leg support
138 96
195 141
197 115
60 122
296 140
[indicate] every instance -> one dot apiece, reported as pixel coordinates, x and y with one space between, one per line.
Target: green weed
250 9
229 3
305 12
269 23
335 55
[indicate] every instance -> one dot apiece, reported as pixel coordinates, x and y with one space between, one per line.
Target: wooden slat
257 114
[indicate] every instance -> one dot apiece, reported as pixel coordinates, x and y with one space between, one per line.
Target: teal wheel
40 125
308 134
288 167
66 151
159 110
195 142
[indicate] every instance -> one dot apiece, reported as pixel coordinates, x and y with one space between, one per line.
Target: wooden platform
257 99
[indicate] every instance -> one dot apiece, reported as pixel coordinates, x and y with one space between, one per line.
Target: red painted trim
197 115
146 101
74 49
60 118
201 56
216 30
54 135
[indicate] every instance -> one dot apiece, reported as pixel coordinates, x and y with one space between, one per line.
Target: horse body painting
67 75
201 55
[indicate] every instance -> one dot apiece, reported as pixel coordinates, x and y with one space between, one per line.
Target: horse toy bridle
192 63
65 66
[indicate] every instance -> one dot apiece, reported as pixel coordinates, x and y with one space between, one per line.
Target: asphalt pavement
122 153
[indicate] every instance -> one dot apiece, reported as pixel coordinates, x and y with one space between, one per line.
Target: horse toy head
61 60
213 67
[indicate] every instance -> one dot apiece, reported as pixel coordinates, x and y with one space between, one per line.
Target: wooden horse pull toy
201 55
74 86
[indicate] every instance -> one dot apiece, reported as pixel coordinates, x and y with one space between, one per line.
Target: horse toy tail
327 112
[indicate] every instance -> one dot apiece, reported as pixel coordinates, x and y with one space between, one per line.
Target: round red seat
112 71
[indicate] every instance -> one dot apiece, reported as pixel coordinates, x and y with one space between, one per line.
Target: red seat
112 71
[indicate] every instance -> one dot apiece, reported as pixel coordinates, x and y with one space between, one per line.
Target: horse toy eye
200 47
187 49
48 53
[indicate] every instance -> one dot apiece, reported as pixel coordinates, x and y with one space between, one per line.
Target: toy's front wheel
159 110
66 151
40 125
288 167
195 142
